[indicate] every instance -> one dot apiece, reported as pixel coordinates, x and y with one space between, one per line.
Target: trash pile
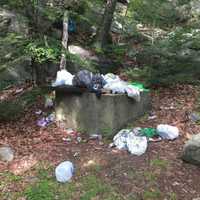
98 83
136 140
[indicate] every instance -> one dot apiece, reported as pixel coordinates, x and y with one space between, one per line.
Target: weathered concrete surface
107 115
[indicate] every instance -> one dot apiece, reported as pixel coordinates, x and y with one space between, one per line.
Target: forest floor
102 173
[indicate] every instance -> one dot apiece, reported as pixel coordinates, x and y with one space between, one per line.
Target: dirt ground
157 174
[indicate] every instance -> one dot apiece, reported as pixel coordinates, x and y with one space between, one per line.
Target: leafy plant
42 53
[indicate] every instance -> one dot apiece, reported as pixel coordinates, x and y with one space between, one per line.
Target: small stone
195 117
6 154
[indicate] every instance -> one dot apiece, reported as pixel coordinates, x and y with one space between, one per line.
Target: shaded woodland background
156 42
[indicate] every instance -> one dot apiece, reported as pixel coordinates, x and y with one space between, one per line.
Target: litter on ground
64 171
45 121
136 140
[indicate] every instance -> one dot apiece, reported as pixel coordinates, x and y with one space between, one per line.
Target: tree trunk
64 40
103 33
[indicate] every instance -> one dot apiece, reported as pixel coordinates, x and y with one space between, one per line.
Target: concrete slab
107 115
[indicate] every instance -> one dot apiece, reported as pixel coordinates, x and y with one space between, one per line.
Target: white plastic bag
64 171
128 140
109 78
133 92
136 145
116 87
63 78
167 131
119 140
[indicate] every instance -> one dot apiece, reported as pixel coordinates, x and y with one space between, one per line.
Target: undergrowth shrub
173 59
13 109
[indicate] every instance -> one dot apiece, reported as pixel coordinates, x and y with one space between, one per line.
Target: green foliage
9 43
13 109
172 196
84 188
41 191
5 84
12 3
42 52
93 187
155 12
152 195
77 63
159 163
173 59
7 179
10 111
150 176
136 74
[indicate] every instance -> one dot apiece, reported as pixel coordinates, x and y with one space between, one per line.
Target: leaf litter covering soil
130 174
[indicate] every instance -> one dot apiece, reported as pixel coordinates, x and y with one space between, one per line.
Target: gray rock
195 117
12 22
195 8
6 154
191 152
17 71
83 53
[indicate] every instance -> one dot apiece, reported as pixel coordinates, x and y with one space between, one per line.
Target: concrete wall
107 115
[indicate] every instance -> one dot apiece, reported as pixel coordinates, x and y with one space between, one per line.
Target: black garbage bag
93 82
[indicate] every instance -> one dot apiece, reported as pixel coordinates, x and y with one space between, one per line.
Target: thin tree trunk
64 40
103 33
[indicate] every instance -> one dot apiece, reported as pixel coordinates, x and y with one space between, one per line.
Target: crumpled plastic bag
131 140
120 140
63 78
136 145
109 78
64 171
85 78
133 92
116 85
45 121
167 131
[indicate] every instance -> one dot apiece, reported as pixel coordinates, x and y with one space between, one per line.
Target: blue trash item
71 26
64 172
